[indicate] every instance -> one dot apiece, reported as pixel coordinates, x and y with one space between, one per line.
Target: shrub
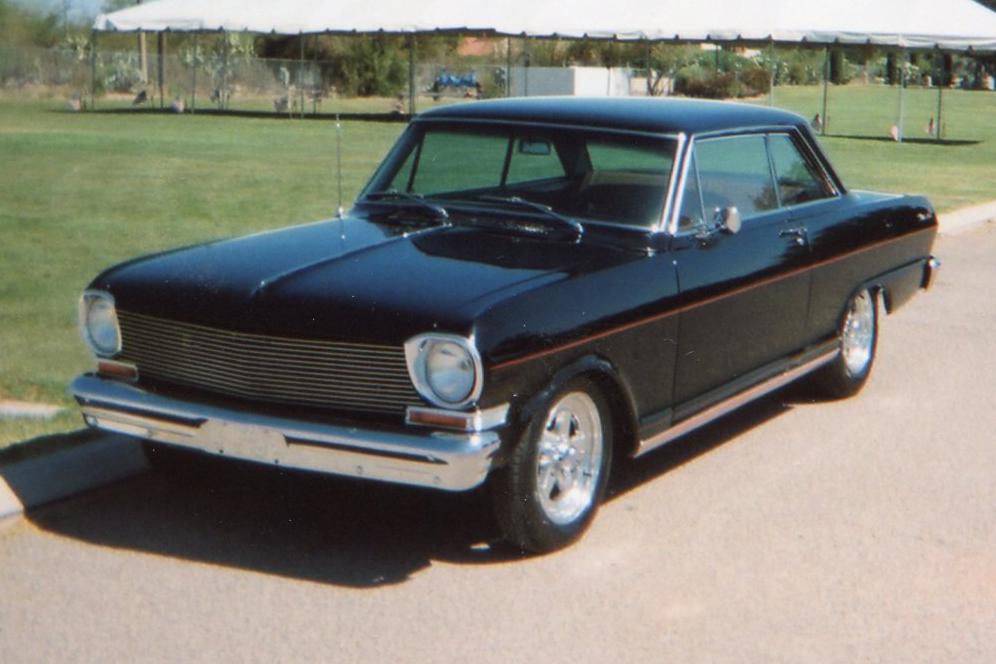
697 81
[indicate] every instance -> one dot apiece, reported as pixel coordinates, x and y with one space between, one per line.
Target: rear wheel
847 373
548 494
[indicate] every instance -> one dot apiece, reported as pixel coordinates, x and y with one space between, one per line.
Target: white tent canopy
954 25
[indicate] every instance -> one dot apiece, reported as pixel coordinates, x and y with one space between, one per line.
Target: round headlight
449 370
444 368
99 323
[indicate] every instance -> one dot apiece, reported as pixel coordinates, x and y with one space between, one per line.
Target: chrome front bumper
444 460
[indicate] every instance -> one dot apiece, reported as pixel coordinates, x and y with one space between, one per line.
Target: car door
831 229
743 291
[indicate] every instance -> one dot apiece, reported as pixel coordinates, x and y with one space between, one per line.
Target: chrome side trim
443 460
675 187
734 402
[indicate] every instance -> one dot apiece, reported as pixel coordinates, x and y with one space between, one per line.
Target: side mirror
728 219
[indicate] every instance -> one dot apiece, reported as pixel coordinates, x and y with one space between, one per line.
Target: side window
735 171
798 181
691 216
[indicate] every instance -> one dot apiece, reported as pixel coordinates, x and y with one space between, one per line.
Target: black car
525 290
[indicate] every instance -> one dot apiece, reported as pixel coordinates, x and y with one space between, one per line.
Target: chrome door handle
797 234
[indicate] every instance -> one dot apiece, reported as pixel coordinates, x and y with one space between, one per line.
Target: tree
114 5
23 26
358 65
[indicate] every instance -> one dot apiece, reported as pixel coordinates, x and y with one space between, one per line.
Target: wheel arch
896 287
612 386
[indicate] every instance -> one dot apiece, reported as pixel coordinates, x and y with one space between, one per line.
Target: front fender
604 374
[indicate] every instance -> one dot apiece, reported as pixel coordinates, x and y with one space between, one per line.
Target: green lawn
959 172
82 191
79 192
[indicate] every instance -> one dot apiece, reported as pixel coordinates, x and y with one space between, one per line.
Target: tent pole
93 68
525 75
300 74
193 76
771 61
508 66
902 95
224 73
411 75
161 69
646 56
941 82
826 88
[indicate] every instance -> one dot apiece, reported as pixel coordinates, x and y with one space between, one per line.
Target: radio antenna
338 163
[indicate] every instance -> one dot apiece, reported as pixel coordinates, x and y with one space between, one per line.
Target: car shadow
325 529
631 474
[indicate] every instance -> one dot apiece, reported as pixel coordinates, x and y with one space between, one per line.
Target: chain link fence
187 82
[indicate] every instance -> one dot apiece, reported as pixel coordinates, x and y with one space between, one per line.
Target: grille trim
370 378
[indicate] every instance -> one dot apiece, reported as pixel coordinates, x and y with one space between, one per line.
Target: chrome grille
328 374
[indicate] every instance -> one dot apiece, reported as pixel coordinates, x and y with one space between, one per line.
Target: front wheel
548 494
847 373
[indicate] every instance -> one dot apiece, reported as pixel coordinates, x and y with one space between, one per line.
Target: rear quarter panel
856 240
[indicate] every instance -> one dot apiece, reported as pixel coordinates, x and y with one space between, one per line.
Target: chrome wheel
846 374
857 339
548 492
569 458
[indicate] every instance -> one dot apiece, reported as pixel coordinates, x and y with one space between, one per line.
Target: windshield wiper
548 212
438 211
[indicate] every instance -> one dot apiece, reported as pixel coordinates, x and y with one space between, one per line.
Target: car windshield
609 177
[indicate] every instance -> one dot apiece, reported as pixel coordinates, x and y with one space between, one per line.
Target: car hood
349 279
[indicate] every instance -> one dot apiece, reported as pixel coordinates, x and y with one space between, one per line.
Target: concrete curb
957 221
33 482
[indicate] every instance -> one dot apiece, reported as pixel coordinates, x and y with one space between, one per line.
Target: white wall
576 81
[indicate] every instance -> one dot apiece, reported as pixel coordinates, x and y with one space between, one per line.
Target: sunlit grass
957 172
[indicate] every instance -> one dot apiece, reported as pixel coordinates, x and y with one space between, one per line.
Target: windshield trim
547 125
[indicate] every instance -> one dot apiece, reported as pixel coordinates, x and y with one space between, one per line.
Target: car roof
652 114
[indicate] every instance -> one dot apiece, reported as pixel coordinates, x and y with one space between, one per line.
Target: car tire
847 373
547 494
